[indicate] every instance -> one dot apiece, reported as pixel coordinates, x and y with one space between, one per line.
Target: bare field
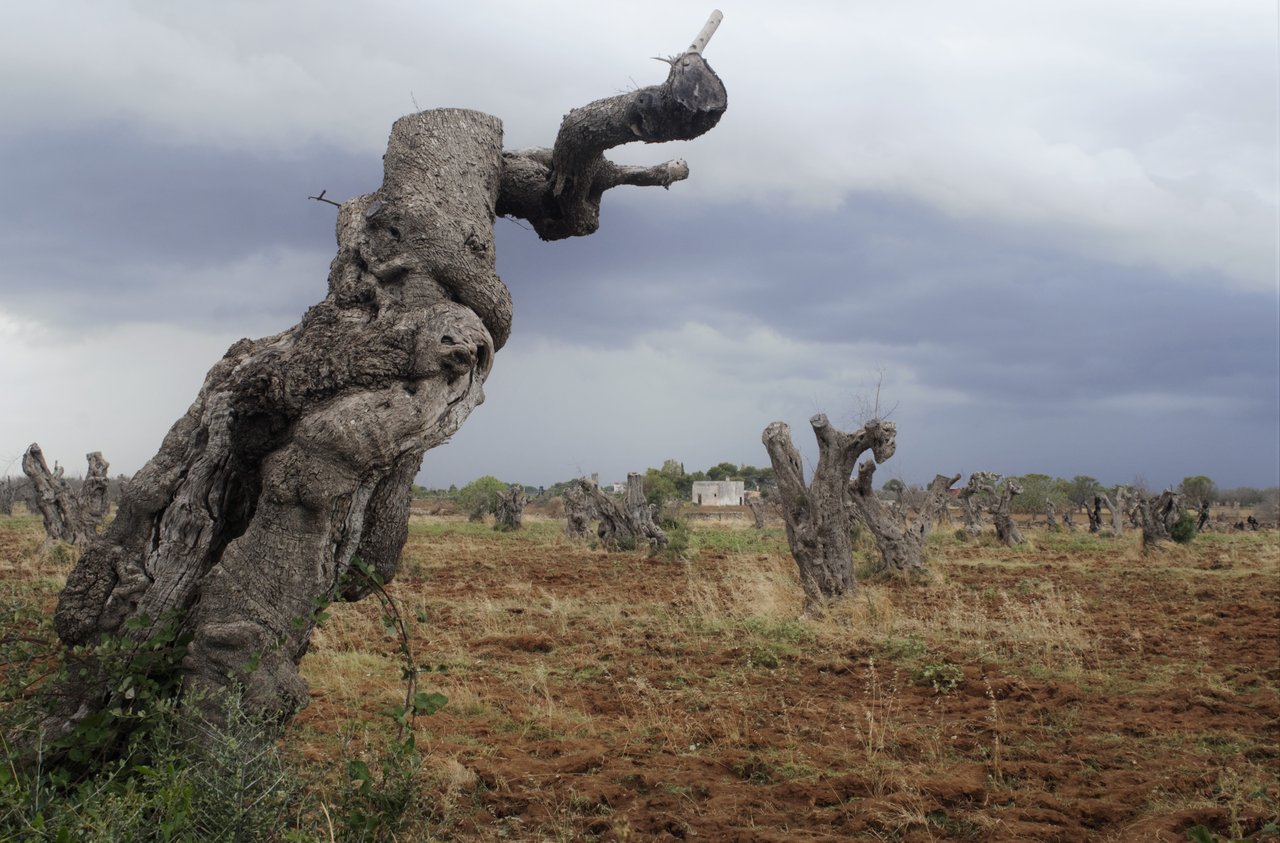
1074 690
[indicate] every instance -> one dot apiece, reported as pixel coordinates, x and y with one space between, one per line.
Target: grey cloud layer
1143 132
1052 228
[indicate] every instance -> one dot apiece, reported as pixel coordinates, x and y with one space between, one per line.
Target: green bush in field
1184 530
480 495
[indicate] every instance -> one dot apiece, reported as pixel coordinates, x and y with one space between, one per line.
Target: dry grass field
1071 690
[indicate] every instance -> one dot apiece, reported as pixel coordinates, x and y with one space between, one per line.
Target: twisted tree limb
558 190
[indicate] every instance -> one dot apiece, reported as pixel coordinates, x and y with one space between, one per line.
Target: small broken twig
709 28
321 198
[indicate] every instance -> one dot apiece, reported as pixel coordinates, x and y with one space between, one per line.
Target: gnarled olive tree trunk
981 483
643 515
1002 517
292 469
69 515
1049 514
578 509
901 544
509 508
1157 514
1095 514
757 506
10 493
629 523
816 516
1120 509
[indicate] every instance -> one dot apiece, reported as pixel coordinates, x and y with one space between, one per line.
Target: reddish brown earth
616 697
1069 691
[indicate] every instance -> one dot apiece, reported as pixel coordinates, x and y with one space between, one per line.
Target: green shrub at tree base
1184 530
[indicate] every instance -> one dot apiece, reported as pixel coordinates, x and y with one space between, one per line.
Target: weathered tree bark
1001 516
1202 520
816 516
8 495
558 190
628 524
578 509
292 470
642 514
1095 514
13 490
901 545
1157 515
757 511
69 516
510 508
1067 522
1117 509
1050 512
980 483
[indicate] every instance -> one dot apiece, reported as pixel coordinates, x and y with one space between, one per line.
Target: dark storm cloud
971 306
111 226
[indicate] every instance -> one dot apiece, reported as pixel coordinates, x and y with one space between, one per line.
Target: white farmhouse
719 493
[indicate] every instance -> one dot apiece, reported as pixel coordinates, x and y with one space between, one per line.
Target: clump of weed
943 677
677 539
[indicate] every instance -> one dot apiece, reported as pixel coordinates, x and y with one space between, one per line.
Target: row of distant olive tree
1039 490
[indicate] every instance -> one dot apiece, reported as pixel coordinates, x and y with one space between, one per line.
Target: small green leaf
1199 834
428 704
358 771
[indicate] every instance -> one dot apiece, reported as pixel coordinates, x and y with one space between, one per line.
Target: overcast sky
1048 230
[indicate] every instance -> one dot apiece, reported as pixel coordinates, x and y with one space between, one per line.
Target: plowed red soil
1075 691
1069 690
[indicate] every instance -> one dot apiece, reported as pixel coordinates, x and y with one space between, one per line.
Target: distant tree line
670 483
1078 493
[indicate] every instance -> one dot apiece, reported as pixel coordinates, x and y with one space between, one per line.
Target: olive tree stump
579 509
817 519
900 544
627 524
1157 515
979 487
10 493
1119 509
69 515
509 509
1049 514
1002 517
292 470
